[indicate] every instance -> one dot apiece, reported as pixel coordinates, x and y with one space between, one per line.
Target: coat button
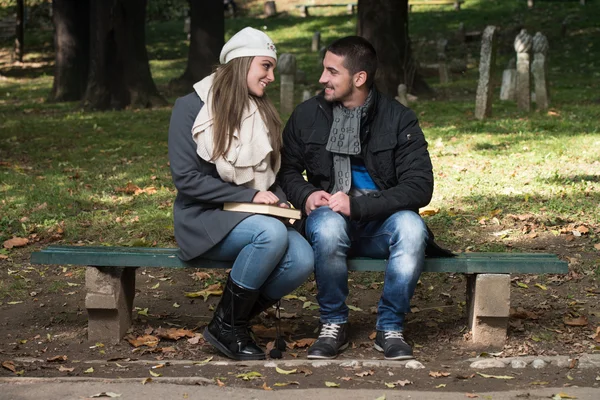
408 136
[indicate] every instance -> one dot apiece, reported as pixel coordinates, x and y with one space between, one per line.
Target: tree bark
207 37
385 24
71 47
20 32
119 70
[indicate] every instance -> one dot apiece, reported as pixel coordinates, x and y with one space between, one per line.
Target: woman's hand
265 197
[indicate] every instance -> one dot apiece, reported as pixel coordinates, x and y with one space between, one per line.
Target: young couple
368 173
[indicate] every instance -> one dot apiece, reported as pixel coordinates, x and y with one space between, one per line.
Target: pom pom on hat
248 42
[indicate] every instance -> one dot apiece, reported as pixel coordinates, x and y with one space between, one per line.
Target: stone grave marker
483 100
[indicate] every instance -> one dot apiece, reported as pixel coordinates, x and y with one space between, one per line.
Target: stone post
457 5
442 44
529 3
522 47
509 81
316 42
304 12
538 70
350 9
287 71
488 299
483 101
109 300
270 9
186 26
306 95
322 52
402 95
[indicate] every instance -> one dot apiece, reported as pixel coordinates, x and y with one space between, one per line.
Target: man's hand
316 200
340 202
265 197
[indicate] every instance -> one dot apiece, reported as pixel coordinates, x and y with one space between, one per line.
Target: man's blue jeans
400 238
268 256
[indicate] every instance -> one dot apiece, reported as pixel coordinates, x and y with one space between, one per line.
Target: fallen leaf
523 285
364 373
15 242
219 382
354 308
248 376
174 333
145 340
306 342
539 383
441 385
438 374
143 312
286 383
9 365
471 395
198 338
543 287
579 321
346 378
89 370
130 188
62 368
428 210
597 246
13 302
521 313
204 293
106 394
200 276
285 372
154 374
332 384
400 383
373 335
155 286
304 371
596 336
562 395
146 380
57 358
496 376
265 387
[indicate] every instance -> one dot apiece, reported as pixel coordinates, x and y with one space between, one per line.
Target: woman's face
260 75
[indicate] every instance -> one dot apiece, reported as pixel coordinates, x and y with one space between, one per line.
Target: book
268 209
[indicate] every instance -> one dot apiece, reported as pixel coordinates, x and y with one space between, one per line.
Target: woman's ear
360 78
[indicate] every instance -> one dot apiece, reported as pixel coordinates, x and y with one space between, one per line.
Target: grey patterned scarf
344 141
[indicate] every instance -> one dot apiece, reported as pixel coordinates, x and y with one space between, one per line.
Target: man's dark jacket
393 148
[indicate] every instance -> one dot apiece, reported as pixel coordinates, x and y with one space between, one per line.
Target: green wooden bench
110 282
350 7
455 3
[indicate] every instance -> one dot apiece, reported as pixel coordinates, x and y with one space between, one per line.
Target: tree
207 37
101 56
71 46
119 73
20 39
385 24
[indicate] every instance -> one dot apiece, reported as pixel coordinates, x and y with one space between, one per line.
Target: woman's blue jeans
269 256
401 238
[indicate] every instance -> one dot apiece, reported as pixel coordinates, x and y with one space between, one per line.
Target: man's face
336 79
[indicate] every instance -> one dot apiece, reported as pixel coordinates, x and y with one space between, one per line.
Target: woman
224 142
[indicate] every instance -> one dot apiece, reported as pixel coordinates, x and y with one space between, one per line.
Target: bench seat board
469 263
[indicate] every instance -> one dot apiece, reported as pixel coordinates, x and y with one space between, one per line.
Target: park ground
516 182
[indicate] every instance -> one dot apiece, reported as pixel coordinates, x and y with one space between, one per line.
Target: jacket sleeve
414 174
290 175
190 172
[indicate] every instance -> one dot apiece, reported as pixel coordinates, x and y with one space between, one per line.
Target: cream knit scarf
248 161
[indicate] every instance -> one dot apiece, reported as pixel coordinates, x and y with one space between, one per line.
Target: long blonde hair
230 96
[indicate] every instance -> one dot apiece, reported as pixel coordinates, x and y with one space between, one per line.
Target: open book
268 209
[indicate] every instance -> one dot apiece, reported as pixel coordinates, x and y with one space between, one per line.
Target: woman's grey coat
199 220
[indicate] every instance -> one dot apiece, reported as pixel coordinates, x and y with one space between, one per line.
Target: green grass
62 170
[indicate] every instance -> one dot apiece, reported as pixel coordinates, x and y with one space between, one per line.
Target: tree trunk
71 47
119 69
20 33
207 37
385 24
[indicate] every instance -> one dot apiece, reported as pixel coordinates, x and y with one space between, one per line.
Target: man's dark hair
359 55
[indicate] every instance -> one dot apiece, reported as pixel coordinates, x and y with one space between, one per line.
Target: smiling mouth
263 84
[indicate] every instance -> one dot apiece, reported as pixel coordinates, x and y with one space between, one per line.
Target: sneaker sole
342 348
380 349
216 344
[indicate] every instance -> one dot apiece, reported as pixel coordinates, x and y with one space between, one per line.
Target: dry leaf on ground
174 333
145 340
9 365
15 242
438 374
579 321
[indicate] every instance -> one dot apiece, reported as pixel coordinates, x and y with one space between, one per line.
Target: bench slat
507 263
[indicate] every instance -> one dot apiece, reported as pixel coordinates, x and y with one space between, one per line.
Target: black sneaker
333 338
393 345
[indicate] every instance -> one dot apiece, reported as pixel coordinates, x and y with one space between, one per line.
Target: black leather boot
228 331
263 303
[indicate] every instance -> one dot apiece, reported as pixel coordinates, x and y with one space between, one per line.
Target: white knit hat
248 42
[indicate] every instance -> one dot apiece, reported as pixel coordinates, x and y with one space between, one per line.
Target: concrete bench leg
488 299
109 301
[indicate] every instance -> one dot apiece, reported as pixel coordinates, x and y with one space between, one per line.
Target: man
368 172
